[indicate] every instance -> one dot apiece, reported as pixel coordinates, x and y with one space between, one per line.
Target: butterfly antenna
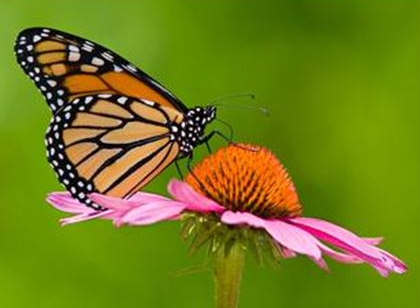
263 110
230 97
251 96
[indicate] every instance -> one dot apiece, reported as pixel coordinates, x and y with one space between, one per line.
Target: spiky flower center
247 178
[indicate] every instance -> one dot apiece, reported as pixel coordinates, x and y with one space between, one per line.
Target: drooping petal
63 201
339 256
153 212
84 216
321 263
112 202
373 240
237 218
287 235
293 238
194 201
350 243
381 270
397 265
287 253
336 235
145 197
142 208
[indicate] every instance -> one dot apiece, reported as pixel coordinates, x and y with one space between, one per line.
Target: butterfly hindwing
64 67
110 144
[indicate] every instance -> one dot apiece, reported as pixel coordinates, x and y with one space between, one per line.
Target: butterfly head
209 113
201 116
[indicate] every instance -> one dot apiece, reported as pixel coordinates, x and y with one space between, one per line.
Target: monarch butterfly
114 128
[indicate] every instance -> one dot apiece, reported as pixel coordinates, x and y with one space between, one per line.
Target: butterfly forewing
64 67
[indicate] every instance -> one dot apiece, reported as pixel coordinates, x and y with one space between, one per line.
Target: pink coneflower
239 198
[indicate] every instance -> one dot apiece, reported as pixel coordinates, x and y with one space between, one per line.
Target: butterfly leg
229 141
207 138
189 160
178 169
208 146
190 169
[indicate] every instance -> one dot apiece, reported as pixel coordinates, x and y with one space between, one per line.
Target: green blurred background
341 79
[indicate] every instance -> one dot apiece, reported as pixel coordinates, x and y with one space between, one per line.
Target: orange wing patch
88 119
132 132
51 57
48 45
140 177
128 85
84 83
72 135
58 69
104 180
147 112
109 108
88 167
79 151
156 166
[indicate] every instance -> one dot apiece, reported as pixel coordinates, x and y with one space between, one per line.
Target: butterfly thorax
190 132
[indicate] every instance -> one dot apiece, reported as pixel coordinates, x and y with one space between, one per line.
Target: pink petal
287 253
339 256
373 240
399 266
84 217
326 230
238 218
350 243
144 197
112 202
293 238
64 202
153 212
289 236
321 263
194 201
382 271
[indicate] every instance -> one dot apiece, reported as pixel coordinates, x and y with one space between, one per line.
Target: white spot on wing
51 82
88 99
147 102
122 99
97 61
107 56
74 48
87 48
74 56
131 68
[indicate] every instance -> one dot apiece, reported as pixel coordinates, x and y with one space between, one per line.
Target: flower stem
227 275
